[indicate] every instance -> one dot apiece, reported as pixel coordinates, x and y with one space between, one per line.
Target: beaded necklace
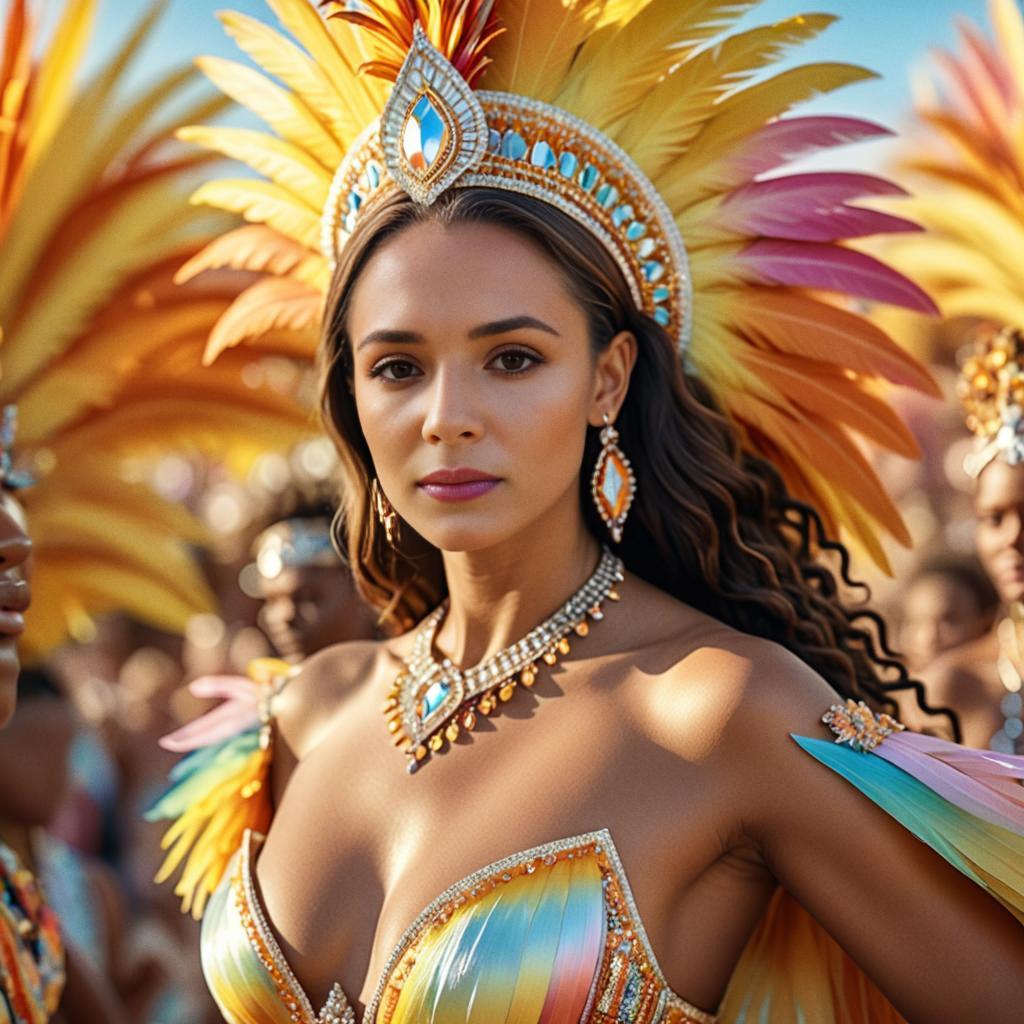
432 700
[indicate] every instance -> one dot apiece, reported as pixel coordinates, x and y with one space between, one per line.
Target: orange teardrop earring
613 484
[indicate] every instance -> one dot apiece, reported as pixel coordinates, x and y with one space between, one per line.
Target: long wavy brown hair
712 525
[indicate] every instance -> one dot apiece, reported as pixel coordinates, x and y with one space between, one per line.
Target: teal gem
513 145
355 200
662 316
621 214
636 230
645 248
567 164
373 175
424 135
653 271
588 177
661 294
493 141
542 155
434 698
607 195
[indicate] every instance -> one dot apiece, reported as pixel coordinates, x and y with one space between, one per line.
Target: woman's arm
938 946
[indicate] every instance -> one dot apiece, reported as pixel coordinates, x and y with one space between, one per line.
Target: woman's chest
359 850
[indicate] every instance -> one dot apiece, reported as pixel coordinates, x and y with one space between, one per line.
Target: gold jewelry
432 701
613 484
385 512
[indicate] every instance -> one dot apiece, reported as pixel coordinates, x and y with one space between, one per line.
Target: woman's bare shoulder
325 682
717 688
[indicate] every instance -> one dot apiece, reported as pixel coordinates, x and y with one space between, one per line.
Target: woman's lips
458 484
14 599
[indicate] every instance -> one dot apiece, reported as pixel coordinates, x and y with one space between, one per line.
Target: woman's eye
514 361
395 370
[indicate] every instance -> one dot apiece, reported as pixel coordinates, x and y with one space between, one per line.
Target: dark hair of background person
711 524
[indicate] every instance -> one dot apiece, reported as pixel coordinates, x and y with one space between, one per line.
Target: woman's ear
611 377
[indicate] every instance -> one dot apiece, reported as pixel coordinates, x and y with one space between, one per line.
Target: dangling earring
386 515
613 484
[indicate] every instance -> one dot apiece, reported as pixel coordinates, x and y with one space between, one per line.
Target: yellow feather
280 161
745 112
1009 26
364 94
263 202
272 304
283 111
619 10
534 59
620 63
277 55
671 114
140 228
56 76
257 248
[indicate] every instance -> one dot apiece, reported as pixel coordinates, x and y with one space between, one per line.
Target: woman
501 376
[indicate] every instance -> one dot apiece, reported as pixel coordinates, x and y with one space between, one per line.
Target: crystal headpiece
295 543
991 390
437 133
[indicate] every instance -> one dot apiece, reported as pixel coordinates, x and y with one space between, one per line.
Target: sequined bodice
548 935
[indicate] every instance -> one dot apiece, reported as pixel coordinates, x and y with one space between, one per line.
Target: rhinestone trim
416 720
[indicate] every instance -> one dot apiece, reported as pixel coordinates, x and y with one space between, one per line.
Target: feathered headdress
101 352
648 122
967 167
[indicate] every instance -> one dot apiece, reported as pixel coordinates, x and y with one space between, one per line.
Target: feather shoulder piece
661 127
967 805
219 788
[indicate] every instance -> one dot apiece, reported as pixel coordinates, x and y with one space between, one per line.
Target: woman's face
14 598
999 534
474 382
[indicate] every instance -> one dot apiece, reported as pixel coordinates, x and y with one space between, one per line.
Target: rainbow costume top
553 933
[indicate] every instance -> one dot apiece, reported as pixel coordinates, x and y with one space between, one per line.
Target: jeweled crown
991 390
437 133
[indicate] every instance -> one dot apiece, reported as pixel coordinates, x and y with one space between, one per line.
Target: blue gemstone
355 200
621 214
567 164
661 294
653 271
646 247
607 195
588 177
636 230
424 134
494 141
434 698
513 145
542 155
662 316
373 175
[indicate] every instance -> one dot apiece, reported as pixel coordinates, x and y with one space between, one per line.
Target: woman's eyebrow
392 336
512 323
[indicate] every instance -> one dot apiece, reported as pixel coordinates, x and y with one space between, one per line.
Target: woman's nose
451 416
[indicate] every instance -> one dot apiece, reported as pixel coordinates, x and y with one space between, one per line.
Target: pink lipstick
460 484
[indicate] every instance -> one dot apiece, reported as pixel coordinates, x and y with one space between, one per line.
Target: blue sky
888 36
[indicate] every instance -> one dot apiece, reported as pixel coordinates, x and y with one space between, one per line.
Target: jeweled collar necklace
432 700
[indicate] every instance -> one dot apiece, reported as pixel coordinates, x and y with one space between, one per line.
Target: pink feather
983 783
833 268
238 712
811 208
783 141
991 60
